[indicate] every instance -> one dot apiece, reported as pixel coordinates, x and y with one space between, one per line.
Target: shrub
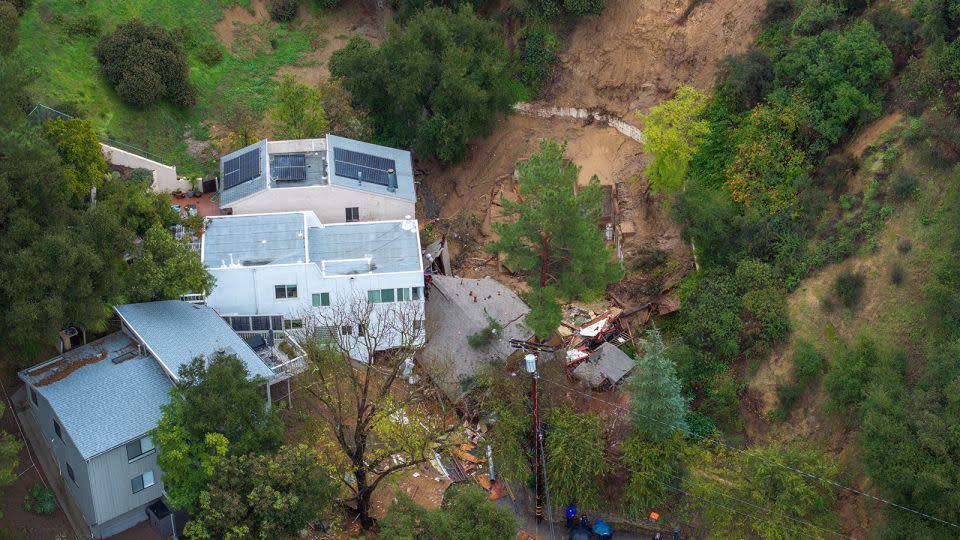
904 245
897 31
283 10
9 25
211 54
485 336
904 184
896 274
836 171
807 362
814 18
776 11
535 63
580 8
144 63
846 379
849 287
744 79
19 5
41 500
88 24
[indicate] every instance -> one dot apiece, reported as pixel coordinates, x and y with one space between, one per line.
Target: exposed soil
236 17
636 53
871 133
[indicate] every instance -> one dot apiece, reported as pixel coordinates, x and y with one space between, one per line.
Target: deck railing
285 357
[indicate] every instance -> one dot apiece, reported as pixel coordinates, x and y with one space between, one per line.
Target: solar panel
349 164
288 167
242 168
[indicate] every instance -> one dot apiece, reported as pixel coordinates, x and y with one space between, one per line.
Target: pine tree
659 409
551 234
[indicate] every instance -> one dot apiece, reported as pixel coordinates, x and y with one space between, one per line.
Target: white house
291 265
339 179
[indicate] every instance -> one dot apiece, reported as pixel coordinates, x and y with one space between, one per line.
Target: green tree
134 202
654 468
659 408
166 268
9 455
744 79
721 480
263 496
80 155
344 119
845 378
467 513
574 446
674 130
434 84
298 113
215 410
551 234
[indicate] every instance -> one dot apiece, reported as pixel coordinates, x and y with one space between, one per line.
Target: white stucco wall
328 202
164 176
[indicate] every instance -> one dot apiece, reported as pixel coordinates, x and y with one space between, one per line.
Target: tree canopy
215 410
658 406
555 237
263 496
80 155
434 85
298 112
166 268
467 514
573 446
674 130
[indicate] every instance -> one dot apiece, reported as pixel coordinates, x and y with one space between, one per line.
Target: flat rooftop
105 393
331 160
341 249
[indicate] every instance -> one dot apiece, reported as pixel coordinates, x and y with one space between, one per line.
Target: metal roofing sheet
102 404
177 332
254 240
341 249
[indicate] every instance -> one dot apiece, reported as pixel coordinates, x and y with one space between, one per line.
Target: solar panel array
288 167
242 168
349 164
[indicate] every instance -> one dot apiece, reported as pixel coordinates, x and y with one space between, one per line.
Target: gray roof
452 315
374 247
255 240
316 166
102 404
176 332
607 364
404 168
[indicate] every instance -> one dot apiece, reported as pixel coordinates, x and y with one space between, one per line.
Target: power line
766 460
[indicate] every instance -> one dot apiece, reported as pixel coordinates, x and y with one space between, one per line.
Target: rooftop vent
391 180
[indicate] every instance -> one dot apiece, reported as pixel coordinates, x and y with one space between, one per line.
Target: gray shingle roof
255 240
102 404
176 332
606 364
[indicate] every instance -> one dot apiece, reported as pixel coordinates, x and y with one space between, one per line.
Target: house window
70 474
417 293
321 299
136 449
292 324
346 330
403 294
33 396
142 482
380 295
285 291
56 428
353 214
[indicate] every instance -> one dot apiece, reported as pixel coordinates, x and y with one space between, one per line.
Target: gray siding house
97 404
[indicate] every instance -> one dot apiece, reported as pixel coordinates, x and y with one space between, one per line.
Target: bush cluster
145 64
283 10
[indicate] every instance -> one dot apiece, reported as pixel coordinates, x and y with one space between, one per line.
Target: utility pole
531 364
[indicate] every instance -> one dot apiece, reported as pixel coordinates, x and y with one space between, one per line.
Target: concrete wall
164 176
328 202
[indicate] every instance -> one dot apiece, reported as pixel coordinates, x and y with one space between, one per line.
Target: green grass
67 72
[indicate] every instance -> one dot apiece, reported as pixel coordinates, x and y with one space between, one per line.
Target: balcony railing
285 357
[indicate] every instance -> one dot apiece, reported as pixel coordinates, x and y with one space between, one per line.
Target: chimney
391 180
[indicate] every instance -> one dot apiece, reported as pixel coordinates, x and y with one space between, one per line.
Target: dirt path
871 133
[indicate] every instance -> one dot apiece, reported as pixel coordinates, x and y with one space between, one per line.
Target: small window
417 293
403 294
285 291
70 473
33 396
292 324
386 295
56 428
137 449
373 296
353 214
346 330
141 482
321 299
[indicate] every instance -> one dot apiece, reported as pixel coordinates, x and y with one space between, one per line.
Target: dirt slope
636 52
